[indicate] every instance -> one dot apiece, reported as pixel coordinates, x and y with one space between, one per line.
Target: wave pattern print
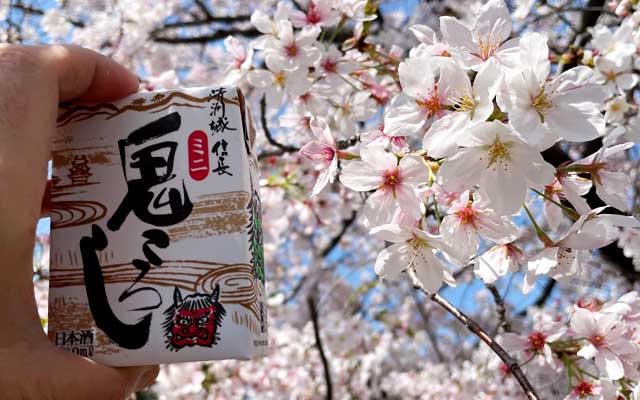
237 284
73 213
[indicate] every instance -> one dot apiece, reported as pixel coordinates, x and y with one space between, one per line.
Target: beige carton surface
156 235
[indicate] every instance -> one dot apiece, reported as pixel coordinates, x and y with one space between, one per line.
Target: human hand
34 80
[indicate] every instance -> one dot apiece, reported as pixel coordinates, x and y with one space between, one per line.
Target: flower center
327 153
279 79
541 104
597 340
390 179
465 104
329 65
498 152
537 341
466 216
583 389
291 50
430 104
486 48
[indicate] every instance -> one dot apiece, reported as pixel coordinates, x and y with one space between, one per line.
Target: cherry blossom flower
320 92
614 45
422 98
324 150
354 9
498 261
629 241
604 340
626 306
535 343
430 44
565 257
502 166
393 182
588 390
278 83
267 25
615 76
164 80
610 183
543 111
470 105
615 109
377 137
468 218
289 52
486 39
240 63
351 107
416 250
332 66
318 13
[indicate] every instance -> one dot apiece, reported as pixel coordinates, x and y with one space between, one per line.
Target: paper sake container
156 235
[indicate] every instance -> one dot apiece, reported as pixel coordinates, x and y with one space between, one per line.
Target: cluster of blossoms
442 148
596 352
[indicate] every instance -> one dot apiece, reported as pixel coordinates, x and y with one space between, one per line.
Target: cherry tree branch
204 21
27 9
313 312
217 35
477 330
500 308
285 148
474 328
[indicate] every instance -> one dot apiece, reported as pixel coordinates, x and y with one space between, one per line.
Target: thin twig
500 308
295 290
316 330
547 289
203 8
427 328
263 115
336 239
269 153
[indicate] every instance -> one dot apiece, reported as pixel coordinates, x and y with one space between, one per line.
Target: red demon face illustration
194 320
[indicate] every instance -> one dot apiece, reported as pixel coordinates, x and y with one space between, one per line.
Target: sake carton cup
156 235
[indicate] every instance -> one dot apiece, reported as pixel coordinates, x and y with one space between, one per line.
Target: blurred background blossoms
418 160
